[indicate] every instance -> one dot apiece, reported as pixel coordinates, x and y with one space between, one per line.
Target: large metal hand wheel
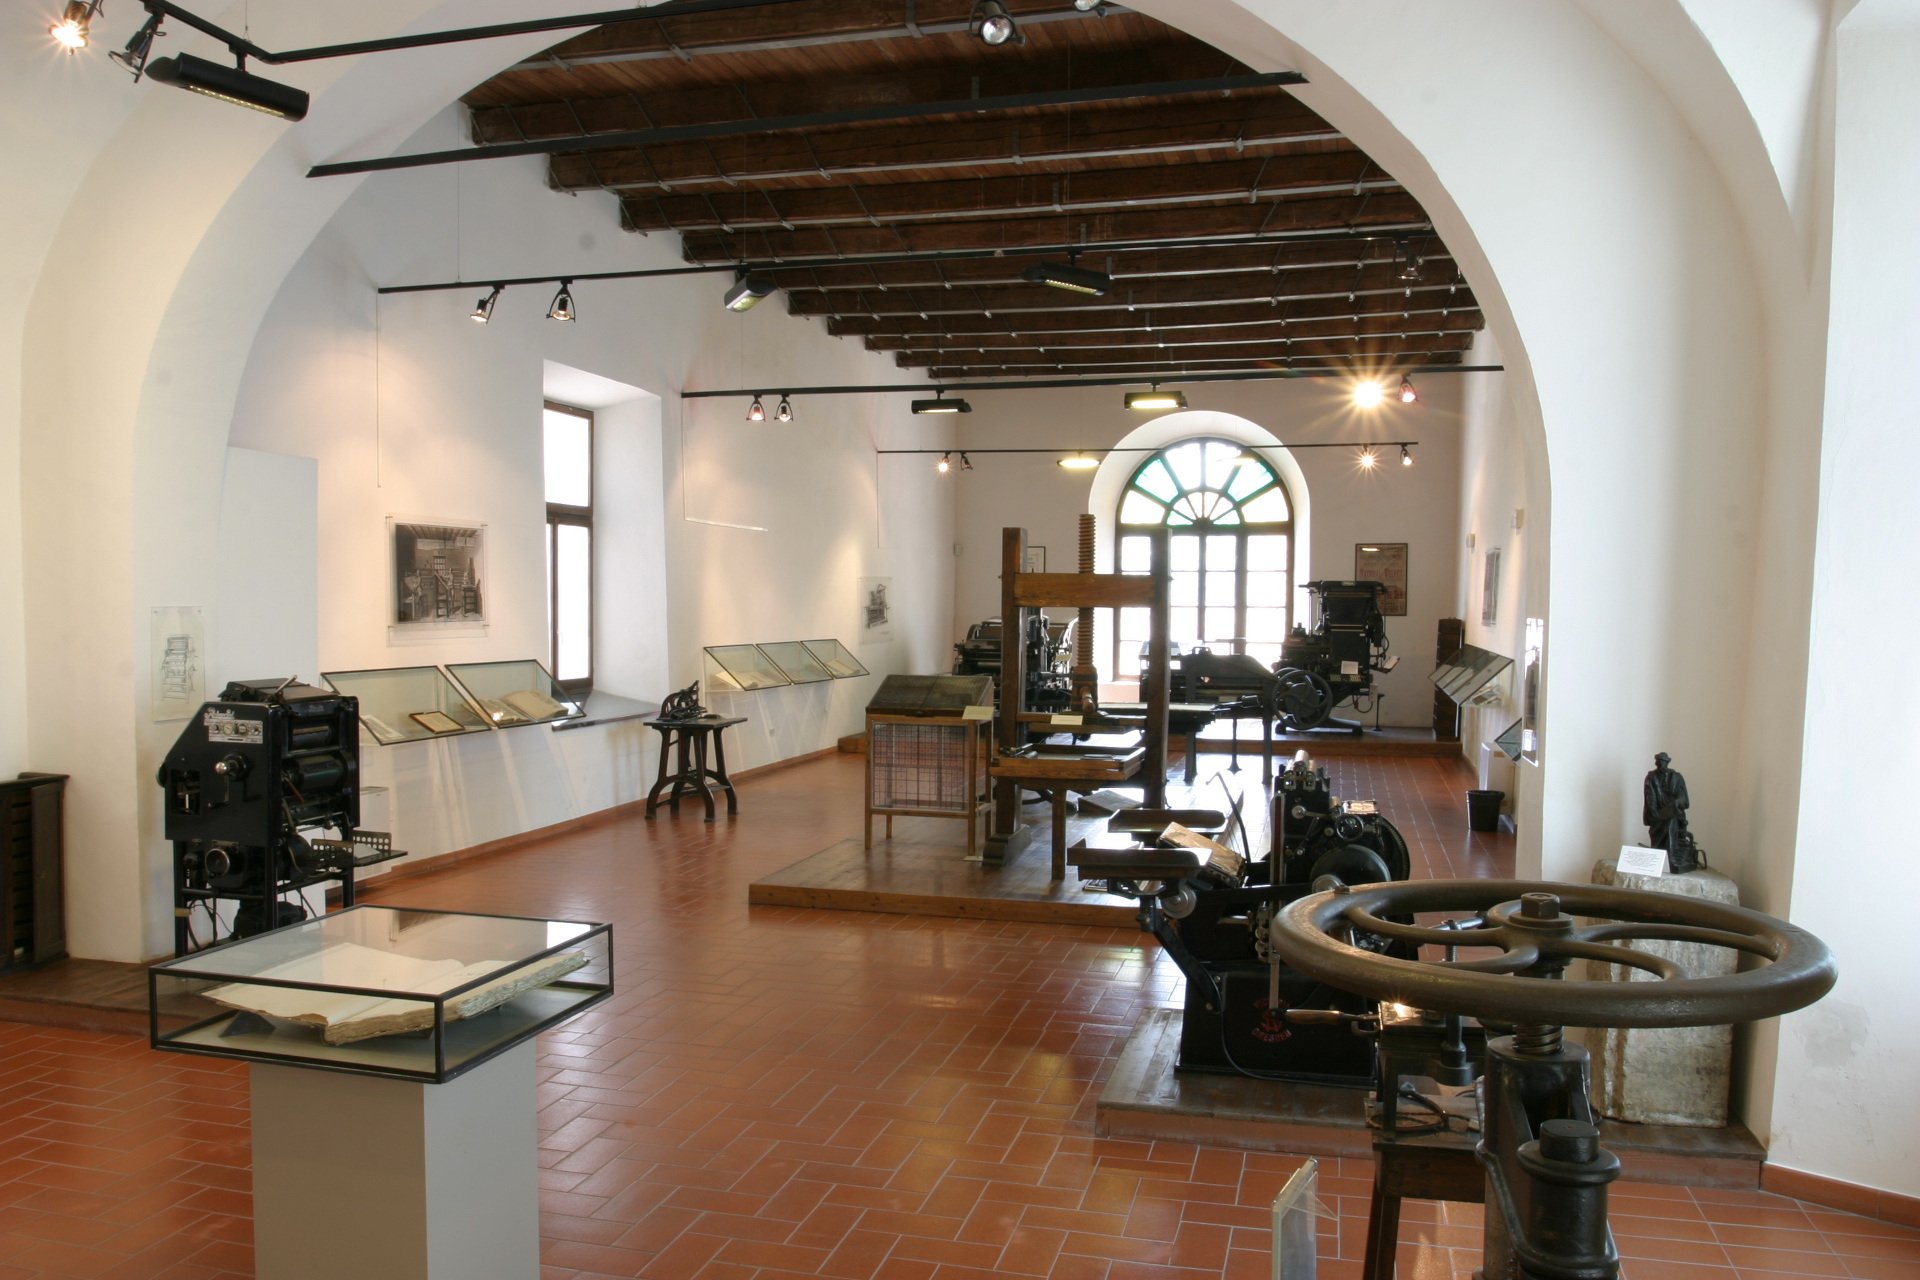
1535 926
1303 699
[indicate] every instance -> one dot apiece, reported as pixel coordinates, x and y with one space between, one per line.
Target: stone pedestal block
1665 1075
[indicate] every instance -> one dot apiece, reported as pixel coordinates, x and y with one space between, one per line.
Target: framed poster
176 678
1532 665
439 573
1384 562
876 610
1490 589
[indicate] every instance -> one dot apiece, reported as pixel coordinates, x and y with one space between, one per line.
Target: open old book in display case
422 995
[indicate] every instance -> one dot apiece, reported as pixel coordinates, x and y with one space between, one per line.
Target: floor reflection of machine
1213 916
250 784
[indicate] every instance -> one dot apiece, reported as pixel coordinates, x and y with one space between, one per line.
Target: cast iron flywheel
1539 930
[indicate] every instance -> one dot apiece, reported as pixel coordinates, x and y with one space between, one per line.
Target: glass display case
733 668
797 662
419 995
519 692
836 658
1473 676
407 704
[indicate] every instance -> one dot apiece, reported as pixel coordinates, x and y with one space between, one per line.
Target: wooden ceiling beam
1330 327
1240 354
1171 371
1388 209
1247 122
1035 325
1099 191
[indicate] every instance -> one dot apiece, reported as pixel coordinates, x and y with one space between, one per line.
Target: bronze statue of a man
1664 810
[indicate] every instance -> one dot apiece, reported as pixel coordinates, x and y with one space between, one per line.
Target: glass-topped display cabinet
836 658
511 693
734 668
407 704
419 995
797 662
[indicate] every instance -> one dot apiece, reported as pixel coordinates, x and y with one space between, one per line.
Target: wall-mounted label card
1066 720
1638 860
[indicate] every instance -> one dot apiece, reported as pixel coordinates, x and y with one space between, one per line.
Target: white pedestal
1665 1075
377 1179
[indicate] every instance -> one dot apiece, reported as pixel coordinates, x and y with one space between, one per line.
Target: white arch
1110 481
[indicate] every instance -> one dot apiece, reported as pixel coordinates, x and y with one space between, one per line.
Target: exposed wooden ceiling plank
1034 325
1172 371
1328 327
1178 354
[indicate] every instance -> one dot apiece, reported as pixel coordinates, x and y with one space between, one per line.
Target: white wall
1346 505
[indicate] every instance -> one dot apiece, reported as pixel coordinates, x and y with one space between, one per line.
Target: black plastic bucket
1483 810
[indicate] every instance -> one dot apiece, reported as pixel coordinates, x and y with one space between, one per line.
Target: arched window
1231 537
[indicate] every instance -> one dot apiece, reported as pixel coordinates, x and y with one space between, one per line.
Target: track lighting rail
816 120
1023 384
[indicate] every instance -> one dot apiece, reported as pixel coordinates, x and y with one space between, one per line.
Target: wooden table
689 739
1423 1166
1057 771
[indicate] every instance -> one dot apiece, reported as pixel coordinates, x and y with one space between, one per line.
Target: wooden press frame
978 796
1079 591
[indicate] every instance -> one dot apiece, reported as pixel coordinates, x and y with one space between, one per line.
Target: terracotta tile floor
777 1092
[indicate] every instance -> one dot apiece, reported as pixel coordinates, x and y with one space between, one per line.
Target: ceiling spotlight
1406 459
992 24
747 291
1409 262
1071 278
1368 394
1091 6
1156 399
229 84
757 412
139 47
944 465
563 308
72 29
1407 394
1079 462
939 404
785 412
966 463
1368 459
483 309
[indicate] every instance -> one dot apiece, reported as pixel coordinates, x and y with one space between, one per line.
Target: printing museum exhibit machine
1546 1172
250 782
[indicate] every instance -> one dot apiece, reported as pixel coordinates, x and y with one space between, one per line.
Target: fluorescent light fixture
785 412
1407 393
1156 399
992 24
1368 394
229 84
940 404
72 31
1079 462
1072 279
756 412
563 308
483 309
747 291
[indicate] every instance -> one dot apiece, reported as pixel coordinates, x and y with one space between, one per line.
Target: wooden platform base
923 871
1146 1098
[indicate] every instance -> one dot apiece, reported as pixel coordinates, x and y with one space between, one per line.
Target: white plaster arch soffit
1110 481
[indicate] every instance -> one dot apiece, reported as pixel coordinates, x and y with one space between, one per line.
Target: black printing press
1048 664
250 784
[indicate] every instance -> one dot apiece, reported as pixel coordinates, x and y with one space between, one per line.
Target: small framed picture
1384 562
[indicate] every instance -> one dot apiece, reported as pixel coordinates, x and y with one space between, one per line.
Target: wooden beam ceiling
1194 203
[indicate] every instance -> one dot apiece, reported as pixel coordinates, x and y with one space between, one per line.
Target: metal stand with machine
1546 1174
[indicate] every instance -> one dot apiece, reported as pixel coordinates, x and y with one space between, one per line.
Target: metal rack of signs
416 704
745 668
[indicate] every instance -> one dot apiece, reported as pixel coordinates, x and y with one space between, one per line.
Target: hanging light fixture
483 309
1409 263
563 308
1368 394
1072 277
1406 459
1079 462
747 291
1407 394
73 30
944 465
1368 459
756 412
966 463
229 84
1156 398
785 412
991 24
940 404
1091 6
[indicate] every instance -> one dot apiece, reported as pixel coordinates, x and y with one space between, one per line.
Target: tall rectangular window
569 482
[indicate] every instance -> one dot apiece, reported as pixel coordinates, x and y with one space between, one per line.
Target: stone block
1665 1075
